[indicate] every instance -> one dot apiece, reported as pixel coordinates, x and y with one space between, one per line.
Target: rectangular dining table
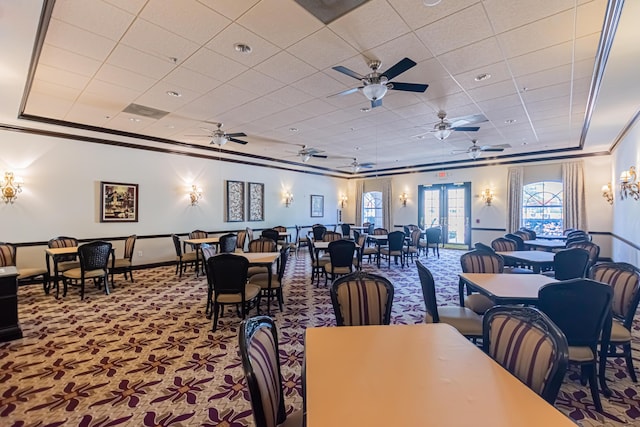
55 253
413 375
536 259
196 243
546 244
507 288
262 259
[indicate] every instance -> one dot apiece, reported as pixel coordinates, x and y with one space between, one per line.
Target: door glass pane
431 208
456 215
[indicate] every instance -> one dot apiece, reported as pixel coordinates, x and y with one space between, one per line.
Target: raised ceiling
99 57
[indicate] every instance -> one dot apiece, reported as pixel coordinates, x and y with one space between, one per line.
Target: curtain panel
514 198
359 193
384 186
574 212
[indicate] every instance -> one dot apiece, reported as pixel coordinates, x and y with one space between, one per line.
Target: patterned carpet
146 356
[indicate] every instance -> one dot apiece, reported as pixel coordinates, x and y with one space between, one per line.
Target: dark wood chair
94 264
341 254
262 244
394 248
271 233
317 263
228 243
318 232
362 299
182 259
570 264
275 288
124 265
592 248
433 239
346 230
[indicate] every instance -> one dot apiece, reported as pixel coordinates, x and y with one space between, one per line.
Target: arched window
372 208
542 207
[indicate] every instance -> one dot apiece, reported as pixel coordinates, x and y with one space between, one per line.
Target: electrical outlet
140 253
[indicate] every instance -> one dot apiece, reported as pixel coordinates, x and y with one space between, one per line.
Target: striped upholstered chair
625 280
362 299
262 244
8 257
123 265
261 363
528 344
502 244
478 262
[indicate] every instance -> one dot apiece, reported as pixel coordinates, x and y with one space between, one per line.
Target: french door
447 206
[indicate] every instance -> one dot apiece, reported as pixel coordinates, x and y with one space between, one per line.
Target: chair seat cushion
76 273
336 270
68 265
321 262
619 333
581 354
262 280
25 273
466 321
252 271
294 419
122 263
478 303
251 291
369 251
386 251
188 256
411 249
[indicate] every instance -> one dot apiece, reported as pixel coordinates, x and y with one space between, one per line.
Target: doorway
447 206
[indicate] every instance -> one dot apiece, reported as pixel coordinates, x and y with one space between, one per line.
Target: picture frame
255 194
235 201
317 206
118 202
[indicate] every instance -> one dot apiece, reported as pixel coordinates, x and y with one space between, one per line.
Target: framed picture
317 205
118 202
235 201
256 201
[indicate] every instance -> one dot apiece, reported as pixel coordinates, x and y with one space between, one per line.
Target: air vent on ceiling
143 111
329 10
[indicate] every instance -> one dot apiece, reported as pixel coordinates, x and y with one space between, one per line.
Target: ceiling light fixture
242 48
219 139
365 109
293 129
134 119
474 154
509 121
375 91
174 93
305 157
431 3
482 77
442 133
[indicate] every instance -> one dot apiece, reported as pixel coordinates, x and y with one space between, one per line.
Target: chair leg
593 385
81 289
627 357
216 307
106 283
131 275
461 292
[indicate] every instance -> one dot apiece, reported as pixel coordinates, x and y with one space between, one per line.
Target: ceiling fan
444 127
376 84
219 137
306 153
356 166
475 150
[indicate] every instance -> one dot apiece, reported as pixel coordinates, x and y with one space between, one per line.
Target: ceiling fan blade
319 156
459 151
491 149
348 72
402 66
409 87
468 120
466 128
366 165
376 103
239 141
233 135
346 92
200 136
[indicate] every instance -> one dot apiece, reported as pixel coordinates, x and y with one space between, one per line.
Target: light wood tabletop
535 259
413 375
546 244
507 288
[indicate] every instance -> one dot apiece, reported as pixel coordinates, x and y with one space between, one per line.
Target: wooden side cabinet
9 327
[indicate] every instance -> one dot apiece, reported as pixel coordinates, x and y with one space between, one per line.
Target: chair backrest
406 230
129 246
176 244
567 231
574 233
284 257
341 252
346 230
207 251
7 255
228 243
249 234
318 232
592 248
331 236
362 299
198 234
531 234
241 240
395 240
270 233
227 273
571 263
528 344
63 242
625 280
579 307
482 247
415 237
380 231
261 363
280 228
576 239
428 285
502 244
516 238
262 244
94 255
433 235
522 234
481 262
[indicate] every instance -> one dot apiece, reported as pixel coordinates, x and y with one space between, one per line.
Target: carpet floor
145 355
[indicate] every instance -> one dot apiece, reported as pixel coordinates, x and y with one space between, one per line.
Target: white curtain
574 212
359 193
514 198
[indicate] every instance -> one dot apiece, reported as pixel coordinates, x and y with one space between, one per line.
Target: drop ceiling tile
541 59
417 15
111 92
291 96
545 78
157 41
192 20
251 111
501 102
125 78
219 100
128 122
214 65
286 68
472 56
498 72
96 17
231 9
451 102
590 17
317 107
319 85
445 35
269 17
540 34
110 106
224 44
89 114
370 25
79 41
586 47
139 62
391 52
322 49
256 82
54 90
61 77
69 61
512 14
40 103
183 77
157 97
131 6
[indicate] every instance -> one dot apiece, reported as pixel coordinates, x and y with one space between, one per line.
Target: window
542 207
372 208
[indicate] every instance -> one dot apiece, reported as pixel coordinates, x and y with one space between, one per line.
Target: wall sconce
288 199
607 193
628 184
343 201
10 186
487 196
195 195
403 199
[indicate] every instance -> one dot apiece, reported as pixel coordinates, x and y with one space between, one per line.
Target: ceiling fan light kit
219 140
374 91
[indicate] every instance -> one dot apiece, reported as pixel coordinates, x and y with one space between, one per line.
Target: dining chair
271 233
258 343
394 248
318 232
262 244
569 264
195 234
207 251
531 234
281 229
412 247
123 265
478 262
520 246
227 278
483 247
362 299
302 240
241 241
317 263
432 240
331 236
527 343
94 264
8 258
625 280
341 254
360 240
581 308
346 230
592 248
465 320
66 261
272 286
227 243
503 244
249 231
182 259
